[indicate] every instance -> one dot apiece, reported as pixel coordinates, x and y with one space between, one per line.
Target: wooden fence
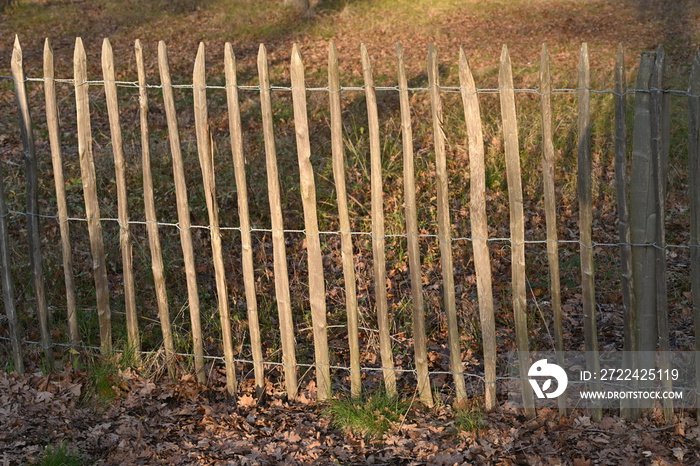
640 213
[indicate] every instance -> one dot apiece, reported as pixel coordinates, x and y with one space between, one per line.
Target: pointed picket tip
106 44
79 51
48 59
399 50
137 45
162 48
262 53
431 49
229 55
505 55
16 51
201 52
366 62
296 56
583 58
505 73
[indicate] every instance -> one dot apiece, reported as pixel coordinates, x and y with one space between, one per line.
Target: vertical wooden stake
8 288
206 162
643 222
33 229
132 326
92 207
338 156
517 223
621 181
284 306
586 219
378 240
550 211
414 264
317 288
243 214
480 232
151 219
59 182
694 194
660 148
183 211
445 229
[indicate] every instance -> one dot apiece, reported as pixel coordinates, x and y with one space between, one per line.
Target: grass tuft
370 417
60 455
470 419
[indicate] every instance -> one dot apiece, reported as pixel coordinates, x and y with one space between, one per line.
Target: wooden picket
641 213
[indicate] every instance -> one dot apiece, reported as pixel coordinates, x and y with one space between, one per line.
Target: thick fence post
414 263
236 130
642 218
479 225
284 305
33 229
517 223
183 212
378 240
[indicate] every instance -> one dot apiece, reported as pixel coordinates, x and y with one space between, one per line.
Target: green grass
371 417
61 455
469 419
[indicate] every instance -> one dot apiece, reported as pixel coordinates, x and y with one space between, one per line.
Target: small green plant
60 455
369 417
469 419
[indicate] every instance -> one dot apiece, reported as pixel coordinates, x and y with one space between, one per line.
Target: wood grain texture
317 286
378 239
284 306
52 123
414 263
151 218
479 226
445 230
183 212
517 221
132 328
205 151
236 131
550 210
92 208
347 254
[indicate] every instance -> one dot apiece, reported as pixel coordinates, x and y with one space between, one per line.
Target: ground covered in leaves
179 422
